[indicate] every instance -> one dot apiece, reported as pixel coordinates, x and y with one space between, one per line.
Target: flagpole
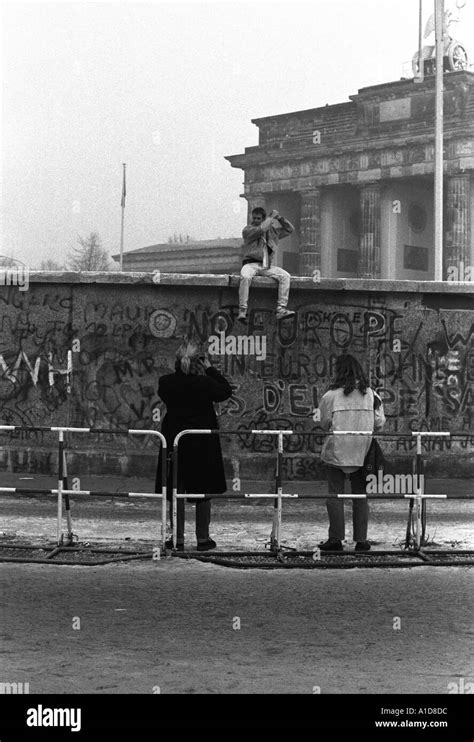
123 217
421 64
438 179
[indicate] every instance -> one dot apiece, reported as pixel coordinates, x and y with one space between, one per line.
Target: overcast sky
169 89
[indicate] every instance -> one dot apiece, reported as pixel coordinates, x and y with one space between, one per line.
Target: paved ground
171 624
175 623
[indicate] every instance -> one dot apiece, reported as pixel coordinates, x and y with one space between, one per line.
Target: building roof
173 247
385 132
221 255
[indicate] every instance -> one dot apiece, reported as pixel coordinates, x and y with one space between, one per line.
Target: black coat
189 404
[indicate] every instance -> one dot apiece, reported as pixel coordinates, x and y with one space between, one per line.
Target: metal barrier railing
62 491
277 504
419 496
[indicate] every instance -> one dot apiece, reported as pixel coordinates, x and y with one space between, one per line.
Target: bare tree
89 255
8 261
51 265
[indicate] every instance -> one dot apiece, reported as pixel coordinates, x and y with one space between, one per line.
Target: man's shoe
331 545
242 317
169 545
284 313
362 546
206 545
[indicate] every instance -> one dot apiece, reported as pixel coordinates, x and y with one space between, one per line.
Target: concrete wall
129 327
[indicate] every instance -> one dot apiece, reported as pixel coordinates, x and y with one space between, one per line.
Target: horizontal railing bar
28 491
69 429
132 431
429 434
272 496
272 432
322 434
303 496
423 494
92 493
105 493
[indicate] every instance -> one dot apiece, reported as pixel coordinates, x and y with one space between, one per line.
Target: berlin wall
416 338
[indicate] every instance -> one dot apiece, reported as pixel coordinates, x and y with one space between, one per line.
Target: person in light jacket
189 395
260 245
350 404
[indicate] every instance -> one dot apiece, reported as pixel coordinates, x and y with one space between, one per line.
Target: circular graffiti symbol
162 324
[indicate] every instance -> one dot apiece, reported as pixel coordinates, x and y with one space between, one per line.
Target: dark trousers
203 519
335 506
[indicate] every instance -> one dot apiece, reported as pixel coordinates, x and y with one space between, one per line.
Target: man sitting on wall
260 243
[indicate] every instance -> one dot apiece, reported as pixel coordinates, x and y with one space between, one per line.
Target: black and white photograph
237 368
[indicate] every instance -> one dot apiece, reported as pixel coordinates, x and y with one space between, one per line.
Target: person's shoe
284 313
362 546
206 545
331 545
242 317
169 545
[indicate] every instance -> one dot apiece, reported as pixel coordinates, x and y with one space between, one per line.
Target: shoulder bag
374 459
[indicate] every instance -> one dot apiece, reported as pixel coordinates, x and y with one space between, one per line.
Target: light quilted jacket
352 412
266 235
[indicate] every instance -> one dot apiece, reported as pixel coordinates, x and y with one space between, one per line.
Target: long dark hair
349 375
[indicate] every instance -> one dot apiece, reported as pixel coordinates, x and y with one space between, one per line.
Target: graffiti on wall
420 360
422 366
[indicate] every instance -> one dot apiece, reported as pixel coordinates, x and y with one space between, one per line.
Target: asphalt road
191 627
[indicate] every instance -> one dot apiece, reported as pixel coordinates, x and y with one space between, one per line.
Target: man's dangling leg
284 279
248 271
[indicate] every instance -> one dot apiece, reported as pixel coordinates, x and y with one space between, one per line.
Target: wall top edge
208 279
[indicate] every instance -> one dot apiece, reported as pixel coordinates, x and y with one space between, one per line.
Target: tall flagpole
124 193
438 180
421 63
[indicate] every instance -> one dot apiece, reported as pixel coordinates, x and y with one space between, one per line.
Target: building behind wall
221 255
357 180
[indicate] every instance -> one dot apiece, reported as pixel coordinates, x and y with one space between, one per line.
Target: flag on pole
124 193
124 189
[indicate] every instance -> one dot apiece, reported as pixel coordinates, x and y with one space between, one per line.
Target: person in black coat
189 395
